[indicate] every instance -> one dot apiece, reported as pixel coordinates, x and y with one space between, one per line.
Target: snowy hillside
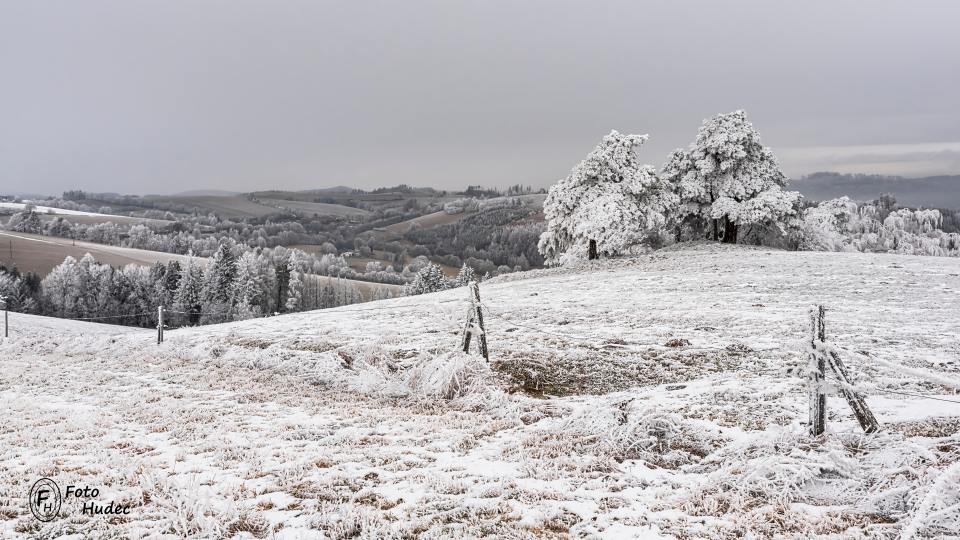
646 397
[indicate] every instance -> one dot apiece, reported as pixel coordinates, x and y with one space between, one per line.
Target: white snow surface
365 421
52 210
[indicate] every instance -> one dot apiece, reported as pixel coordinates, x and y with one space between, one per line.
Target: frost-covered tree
464 277
62 288
609 201
298 297
249 283
18 290
295 287
27 221
59 227
189 297
428 279
218 284
220 275
727 180
166 287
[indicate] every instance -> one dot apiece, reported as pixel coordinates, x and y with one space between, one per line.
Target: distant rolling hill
36 253
227 207
206 193
314 208
931 191
39 254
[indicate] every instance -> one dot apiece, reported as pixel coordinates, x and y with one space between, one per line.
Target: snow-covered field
51 210
363 421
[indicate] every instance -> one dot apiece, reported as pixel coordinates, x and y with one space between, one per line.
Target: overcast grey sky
163 96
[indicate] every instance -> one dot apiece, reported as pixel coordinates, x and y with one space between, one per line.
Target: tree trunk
729 231
592 250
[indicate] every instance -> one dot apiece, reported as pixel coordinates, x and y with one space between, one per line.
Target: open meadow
647 397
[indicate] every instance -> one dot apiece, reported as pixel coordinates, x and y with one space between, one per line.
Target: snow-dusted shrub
448 376
843 225
610 198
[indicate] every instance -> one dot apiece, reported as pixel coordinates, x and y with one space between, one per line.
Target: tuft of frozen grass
773 470
642 433
938 511
448 376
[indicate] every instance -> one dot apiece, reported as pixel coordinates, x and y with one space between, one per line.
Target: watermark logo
45 499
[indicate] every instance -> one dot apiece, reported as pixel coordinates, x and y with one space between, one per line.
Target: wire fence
592 341
630 346
873 390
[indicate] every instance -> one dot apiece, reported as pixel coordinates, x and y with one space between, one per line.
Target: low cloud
910 160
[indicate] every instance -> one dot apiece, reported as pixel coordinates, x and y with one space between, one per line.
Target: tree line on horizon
232 285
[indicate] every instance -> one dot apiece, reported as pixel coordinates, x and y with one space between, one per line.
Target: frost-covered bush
844 225
610 198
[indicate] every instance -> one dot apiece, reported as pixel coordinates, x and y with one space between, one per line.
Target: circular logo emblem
45 499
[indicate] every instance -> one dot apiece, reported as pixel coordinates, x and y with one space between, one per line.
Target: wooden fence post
6 317
465 337
159 325
819 359
816 376
475 314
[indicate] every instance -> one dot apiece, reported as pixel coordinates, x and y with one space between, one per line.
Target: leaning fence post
159 325
854 399
816 376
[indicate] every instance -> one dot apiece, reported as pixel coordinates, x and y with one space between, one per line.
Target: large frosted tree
609 201
728 180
